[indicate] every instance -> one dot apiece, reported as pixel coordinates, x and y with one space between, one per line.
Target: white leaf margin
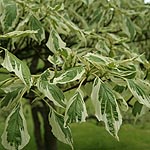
98 113
25 137
84 112
80 71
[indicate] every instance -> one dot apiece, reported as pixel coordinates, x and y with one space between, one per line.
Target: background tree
97 49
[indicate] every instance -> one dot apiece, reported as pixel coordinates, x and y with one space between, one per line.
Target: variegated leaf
36 25
55 60
139 110
121 101
13 64
11 84
62 133
50 90
106 107
15 135
9 16
88 2
10 97
55 42
129 28
128 72
139 91
97 59
70 75
76 109
15 34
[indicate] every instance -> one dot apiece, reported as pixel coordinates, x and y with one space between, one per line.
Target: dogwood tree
97 49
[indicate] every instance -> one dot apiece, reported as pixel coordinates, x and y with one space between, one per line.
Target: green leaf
139 110
70 75
50 90
129 28
121 101
97 59
10 15
36 25
106 107
15 34
55 60
62 133
10 97
13 64
15 135
11 84
128 71
139 91
76 109
55 42
102 47
88 2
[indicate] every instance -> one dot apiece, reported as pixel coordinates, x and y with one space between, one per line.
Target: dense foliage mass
97 48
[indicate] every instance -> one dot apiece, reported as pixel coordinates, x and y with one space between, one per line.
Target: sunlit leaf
62 133
106 107
15 135
13 64
76 109
70 75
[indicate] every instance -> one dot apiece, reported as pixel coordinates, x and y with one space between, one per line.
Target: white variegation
76 109
10 15
97 59
128 27
106 107
121 101
36 25
13 64
55 42
51 91
24 132
15 34
62 133
137 89
70 75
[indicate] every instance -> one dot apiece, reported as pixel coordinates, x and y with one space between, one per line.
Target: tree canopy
97 49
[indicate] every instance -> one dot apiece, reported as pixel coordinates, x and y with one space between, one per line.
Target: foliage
52 47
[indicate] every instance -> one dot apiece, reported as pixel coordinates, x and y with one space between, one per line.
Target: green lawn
89 136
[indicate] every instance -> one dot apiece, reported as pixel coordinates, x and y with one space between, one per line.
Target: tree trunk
49 142
49 139
37 129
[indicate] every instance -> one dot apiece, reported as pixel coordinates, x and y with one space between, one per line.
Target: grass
89 136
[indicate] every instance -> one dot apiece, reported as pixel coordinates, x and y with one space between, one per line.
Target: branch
128 101
77 85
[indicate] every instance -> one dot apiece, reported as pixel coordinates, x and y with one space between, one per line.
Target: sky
147 1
